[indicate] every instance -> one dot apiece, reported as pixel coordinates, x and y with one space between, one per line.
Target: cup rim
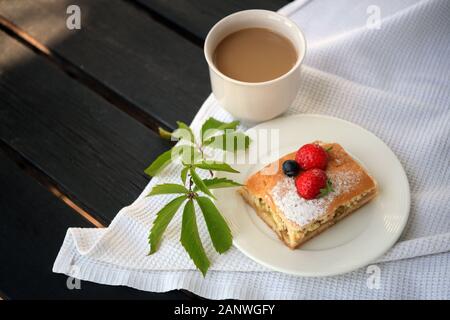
285 75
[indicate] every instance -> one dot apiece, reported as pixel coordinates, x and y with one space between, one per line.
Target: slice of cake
277 198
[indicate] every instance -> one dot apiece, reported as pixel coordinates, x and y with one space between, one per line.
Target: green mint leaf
199 183
215 166
184 172
164 133
329 149
190 238
229 141
217 226
183 132
163 218
213 126
168 188
328 188
160 163
217 183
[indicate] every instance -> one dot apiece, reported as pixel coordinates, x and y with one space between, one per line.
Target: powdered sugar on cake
303 212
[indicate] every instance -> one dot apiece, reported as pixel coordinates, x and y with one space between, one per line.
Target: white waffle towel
392 78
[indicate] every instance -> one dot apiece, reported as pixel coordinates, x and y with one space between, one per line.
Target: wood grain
143 57
124 48
95 153
198 16
33 224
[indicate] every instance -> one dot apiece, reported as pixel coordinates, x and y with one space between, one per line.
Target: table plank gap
185 33
127 49
51 185
196 17
81 76
33 224
95 154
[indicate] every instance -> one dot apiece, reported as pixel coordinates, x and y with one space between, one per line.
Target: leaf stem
190 183
191 193
200 148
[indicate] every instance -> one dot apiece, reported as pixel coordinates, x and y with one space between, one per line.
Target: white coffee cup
255 101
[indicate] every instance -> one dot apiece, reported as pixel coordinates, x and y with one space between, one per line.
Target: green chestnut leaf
213 126
163 218
215 166
199 183
168 188
190 238
216 183
218 229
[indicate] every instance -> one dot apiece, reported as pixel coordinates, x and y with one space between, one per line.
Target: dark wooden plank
95 153
33 224
198 16
123 47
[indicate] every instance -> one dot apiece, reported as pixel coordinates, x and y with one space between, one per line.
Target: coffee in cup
254 55
254 59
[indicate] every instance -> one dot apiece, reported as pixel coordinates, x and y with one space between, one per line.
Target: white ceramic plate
354 242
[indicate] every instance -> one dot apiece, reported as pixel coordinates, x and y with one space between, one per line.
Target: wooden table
79 110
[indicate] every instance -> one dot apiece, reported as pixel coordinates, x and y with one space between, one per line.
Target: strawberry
312 156
313 183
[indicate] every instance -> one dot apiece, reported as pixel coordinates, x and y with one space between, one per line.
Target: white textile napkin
393 80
